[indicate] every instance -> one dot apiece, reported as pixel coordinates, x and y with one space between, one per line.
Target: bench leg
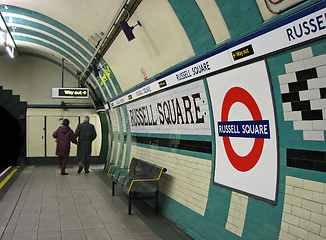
113 183
156 201
129 204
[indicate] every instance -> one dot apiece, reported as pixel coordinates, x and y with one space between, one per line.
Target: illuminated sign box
70 93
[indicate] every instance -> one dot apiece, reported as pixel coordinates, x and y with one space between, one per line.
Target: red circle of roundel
242 163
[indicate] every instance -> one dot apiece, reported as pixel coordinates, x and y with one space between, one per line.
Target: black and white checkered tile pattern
303 90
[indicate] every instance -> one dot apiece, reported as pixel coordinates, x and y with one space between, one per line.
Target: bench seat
139 180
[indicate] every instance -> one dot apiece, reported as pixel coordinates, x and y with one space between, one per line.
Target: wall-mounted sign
245 131
162 83
181 110
70 92
242 52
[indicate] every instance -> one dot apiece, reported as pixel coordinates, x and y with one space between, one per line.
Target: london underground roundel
242 163
245 131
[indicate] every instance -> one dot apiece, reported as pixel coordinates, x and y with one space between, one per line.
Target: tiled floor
42 204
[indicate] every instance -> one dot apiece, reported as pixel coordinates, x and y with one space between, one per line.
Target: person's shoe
64 173
87 171
80 169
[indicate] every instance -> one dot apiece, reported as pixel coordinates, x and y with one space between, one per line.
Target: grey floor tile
46 205
146 236
7 236
73 235
70 223
112 226
121 234
98 234
132 220
26 235
27 224
92 224
49 235
49 223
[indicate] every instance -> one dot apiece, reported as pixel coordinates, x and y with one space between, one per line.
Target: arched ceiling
81 32
59 29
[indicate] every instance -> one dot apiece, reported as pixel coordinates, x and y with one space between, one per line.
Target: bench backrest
140 167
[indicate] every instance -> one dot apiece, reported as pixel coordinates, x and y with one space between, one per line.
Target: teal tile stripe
97 85
194 24
53 42
241 16
50 31
50 46
41 17
113 78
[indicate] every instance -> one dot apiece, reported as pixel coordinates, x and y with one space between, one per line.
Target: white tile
312 236
287 236
302 193
320 198
313 135
323 231
289 218
299 232
287 78
309 94
287 107
287 208
318 104
302 125
316 82
318 218
294 66
293 200
312 206
285 226
284 88
302 54
289 189
310 226
294 181
315 61
321 71
313 185
291 116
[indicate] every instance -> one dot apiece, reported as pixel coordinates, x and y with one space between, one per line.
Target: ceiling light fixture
6 37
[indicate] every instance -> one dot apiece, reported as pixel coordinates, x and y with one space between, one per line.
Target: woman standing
64 136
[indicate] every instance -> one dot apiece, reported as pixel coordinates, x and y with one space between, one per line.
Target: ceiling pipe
127 8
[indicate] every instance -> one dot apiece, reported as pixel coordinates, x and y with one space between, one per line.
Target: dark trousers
83 161
63 163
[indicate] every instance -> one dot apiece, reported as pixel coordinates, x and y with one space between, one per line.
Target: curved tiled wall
189 197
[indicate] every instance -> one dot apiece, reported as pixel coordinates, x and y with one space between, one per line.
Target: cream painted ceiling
85 18
82 16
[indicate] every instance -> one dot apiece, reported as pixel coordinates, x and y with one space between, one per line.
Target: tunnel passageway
12 140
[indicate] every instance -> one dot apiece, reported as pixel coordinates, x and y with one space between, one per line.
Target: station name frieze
182 110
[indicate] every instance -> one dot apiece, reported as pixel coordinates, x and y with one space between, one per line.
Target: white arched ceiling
82 16
161 42
60 29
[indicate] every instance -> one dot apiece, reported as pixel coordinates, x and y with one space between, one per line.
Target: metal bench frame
139 180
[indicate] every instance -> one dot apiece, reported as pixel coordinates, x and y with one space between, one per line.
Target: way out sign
245 131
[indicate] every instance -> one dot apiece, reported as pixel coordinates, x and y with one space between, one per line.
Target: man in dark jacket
86 134
64 136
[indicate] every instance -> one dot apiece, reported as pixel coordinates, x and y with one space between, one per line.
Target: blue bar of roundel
244 129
